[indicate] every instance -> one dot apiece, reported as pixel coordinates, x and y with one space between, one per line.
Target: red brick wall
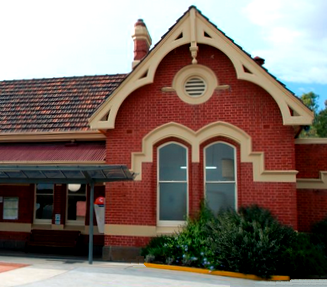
310 159
137 241
9 235
312 204
25 193
279 198
312 207
59 202
245 105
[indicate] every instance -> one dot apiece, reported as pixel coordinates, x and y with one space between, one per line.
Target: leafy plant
189 247
319 234
251 241
306 258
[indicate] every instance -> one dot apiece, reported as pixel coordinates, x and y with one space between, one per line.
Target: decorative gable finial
194 52
194 47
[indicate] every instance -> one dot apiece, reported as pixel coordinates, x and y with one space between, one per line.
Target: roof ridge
64 78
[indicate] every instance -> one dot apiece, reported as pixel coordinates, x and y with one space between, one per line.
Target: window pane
220 196
172 159
44 188
10 208
10 202
172 201
220 163
76 207
44 206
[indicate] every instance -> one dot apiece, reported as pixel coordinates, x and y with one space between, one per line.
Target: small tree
321 122
310 100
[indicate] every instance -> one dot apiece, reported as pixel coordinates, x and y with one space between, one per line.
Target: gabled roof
53 105
193 29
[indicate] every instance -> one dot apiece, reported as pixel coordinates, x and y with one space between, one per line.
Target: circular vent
195 87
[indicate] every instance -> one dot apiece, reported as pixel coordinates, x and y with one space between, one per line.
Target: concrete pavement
72 272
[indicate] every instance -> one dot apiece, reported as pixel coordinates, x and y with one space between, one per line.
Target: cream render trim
15 227
187 72
195 139
191 30
313 183
138 230
52 136
57 226
311 141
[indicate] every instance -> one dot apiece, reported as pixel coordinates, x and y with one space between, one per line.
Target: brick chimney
142 41
259 61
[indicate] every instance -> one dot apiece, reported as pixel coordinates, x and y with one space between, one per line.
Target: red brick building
197 118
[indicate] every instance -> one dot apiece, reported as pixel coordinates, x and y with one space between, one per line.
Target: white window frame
220 182
172 223
17 209
75 222
43 221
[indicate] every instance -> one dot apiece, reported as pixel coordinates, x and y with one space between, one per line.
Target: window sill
171 223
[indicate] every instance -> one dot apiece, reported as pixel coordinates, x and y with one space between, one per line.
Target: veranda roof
63 174
87 174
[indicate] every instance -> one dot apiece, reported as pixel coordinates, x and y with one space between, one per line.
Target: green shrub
196 242
189 247
319 235
307 258
158 249
251 241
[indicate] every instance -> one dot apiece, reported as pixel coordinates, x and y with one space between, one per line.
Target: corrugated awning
88 174
63 174
53 152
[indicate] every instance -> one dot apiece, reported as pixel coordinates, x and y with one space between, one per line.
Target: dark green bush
156 248
190 247
251 241
319 235
307 258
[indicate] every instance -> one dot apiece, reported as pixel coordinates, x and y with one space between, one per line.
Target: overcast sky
41 39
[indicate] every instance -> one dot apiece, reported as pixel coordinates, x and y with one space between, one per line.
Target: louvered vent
195 87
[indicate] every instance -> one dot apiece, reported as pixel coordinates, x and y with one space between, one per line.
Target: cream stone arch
193 29
196 138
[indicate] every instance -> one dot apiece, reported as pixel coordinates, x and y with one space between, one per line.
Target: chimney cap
142 41
260 61
140 22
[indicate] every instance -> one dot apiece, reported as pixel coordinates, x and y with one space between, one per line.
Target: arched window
172 184
220 176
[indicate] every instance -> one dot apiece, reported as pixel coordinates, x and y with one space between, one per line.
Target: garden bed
217 272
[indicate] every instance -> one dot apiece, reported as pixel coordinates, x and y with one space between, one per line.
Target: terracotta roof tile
57 104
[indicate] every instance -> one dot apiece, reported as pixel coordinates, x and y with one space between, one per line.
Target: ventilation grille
195 87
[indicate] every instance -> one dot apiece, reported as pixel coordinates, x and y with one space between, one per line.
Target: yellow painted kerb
218 273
